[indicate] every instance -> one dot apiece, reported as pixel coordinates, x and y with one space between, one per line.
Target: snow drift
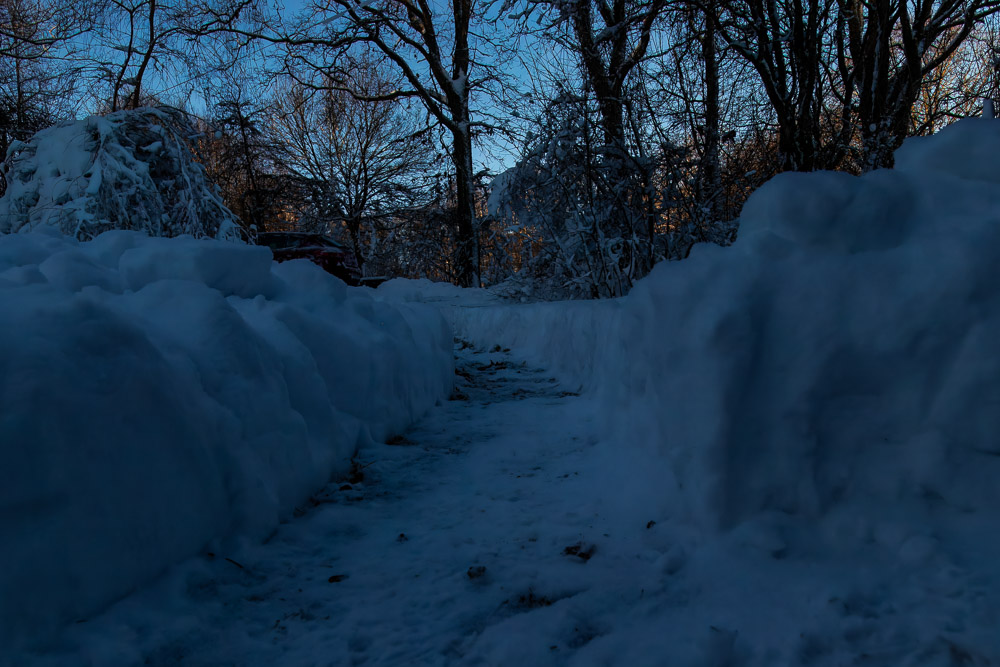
837 363
160 394
127 170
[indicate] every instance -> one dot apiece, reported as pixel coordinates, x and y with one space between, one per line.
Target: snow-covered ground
490 534
780 453
440 546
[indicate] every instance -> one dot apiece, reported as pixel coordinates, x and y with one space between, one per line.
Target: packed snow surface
159 395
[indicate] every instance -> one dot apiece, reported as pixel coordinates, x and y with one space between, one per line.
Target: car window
274 242
299 241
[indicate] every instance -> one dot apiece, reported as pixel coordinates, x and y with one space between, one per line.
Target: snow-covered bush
160 394
577 202
838 364
127 170
586 220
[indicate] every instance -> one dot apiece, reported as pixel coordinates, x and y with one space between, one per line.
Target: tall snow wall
158 395
838 361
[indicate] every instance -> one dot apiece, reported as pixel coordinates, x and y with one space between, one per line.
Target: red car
332 257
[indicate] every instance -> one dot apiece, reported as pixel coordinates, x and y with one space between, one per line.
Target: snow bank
127 170
157 395
838 363
840 359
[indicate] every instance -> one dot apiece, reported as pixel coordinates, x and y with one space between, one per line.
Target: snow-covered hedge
159 394
838 363
127 170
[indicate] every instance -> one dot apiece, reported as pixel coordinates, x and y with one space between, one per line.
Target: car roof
264 236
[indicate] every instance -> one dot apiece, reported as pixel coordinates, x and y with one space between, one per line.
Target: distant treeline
625 131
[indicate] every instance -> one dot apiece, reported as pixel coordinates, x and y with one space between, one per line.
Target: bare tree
790 44
843 75
956 89
36 75
238 151
139 40
122 24
610 39
363 161
438 52
888 50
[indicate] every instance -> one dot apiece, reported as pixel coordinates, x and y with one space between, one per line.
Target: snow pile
841 358
161 395
127 170
838 363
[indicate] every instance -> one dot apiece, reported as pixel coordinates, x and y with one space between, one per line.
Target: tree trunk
116 89
612 121
457 93
710 183
795 145
354 229
147 57
466 253
251 197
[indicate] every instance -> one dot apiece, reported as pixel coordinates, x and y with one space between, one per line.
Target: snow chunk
231 269
966 150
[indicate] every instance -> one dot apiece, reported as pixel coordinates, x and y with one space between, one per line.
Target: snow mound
966 150
127 170
161 395
837 364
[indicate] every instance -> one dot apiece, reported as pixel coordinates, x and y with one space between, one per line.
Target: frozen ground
488 535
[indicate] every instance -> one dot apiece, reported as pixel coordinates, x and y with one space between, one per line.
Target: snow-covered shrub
159 394
576 202
127 170
587 220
